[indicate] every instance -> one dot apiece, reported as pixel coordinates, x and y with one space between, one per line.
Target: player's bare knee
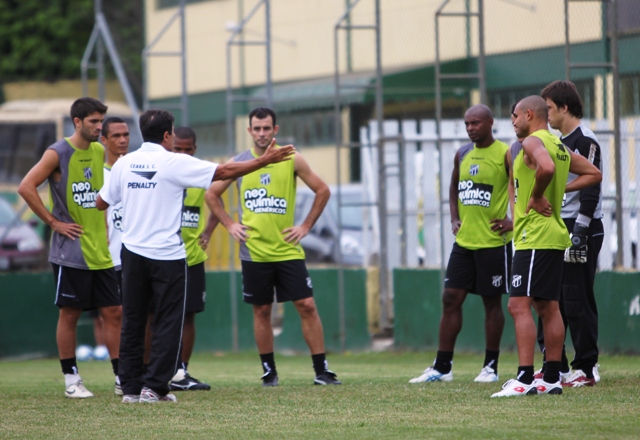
262 312
452 300
306 307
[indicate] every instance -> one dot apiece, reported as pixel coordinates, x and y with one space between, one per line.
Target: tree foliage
45 40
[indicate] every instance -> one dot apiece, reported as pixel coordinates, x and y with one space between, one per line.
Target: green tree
46 40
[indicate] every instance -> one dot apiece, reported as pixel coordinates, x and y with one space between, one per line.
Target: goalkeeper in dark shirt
582 214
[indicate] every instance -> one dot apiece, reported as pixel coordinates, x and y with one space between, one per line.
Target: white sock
70 379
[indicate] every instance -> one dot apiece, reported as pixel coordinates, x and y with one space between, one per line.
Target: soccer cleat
77 391
147 395
596 373
579 379
548 388
131 398
432 375
487 374
270 379
189 383
328 377
513 387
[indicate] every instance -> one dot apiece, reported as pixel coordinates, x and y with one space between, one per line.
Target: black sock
69 366
552 372
319 363
185 365
114 365
525 374
491 359
145 367
443 362
268 363
564 367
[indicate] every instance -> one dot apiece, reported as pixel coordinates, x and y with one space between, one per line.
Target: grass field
375 402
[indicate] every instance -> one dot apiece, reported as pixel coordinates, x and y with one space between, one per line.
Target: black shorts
288 280
196 292
481 271
538 274
86 289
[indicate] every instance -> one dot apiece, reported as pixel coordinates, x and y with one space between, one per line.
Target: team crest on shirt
516 281
473 169
496 280
265 179
88 174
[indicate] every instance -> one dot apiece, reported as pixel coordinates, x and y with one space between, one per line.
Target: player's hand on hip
540 205
274 155
239 232
455 226
70 230
294 234
501 225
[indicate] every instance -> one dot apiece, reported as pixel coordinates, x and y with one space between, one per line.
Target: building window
308 128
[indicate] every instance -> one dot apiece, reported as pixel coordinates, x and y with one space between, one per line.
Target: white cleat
77 391
432 375
487 374
513 387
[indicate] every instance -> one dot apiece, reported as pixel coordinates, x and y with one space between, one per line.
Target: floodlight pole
182 54
101 35
614 66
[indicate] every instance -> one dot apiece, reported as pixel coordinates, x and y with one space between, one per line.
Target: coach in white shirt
150 184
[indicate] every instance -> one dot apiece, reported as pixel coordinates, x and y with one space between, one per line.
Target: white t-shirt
114 224
150 183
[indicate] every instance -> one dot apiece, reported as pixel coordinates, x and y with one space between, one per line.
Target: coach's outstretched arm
233 170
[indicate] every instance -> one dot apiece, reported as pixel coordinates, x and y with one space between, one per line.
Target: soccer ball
84 353
100 353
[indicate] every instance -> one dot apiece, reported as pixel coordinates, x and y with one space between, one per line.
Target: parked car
20 245
321 244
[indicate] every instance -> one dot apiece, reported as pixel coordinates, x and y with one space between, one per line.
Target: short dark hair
83 107
185 133
564 94
107 122
261 113
154 124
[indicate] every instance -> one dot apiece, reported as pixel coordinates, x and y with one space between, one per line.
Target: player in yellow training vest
540 168
481 256
269 244
79 251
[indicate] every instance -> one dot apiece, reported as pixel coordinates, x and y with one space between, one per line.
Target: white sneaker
147 395
566 377
77 391
487 374
131 398
432 375
596 373
513 387
548 388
